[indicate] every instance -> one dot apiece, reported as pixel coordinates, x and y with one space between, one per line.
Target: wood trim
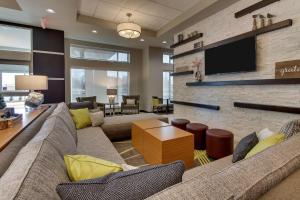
7 135
195 37
182 73
284 109
247 82
254 7
270 28
206 106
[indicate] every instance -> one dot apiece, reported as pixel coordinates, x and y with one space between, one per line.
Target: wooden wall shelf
195 37
198 105
284 109
247 82
182 73
254 7
273 27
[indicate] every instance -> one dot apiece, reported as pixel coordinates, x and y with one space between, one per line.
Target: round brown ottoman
199 131
180 123
219 143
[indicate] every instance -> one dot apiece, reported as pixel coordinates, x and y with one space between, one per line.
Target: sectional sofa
38 167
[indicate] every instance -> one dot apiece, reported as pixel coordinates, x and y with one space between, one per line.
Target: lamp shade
31 82
111 92
129 30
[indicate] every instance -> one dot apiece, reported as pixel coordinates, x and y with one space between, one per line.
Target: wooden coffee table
161 143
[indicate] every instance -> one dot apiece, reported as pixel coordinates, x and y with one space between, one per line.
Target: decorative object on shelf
262 21
287 69
111 93
129 29
254 7
2 102
260 31
32 82
270 19
198 45
195 37
254 27
3 124
182 69
196 64
180 37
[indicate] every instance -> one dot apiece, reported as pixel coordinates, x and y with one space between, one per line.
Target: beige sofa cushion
289 189
34 174
57 133
119 127
209 169
92 141
62 111
246 179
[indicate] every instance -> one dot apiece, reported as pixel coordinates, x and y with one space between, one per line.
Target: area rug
134 158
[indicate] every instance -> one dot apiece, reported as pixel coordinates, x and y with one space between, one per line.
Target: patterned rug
134 158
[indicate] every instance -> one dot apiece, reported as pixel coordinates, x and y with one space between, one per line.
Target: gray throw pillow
130 185
291 128
244 146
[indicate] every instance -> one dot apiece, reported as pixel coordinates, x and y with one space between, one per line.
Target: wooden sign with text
287 69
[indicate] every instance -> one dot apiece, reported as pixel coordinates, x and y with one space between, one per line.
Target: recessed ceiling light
164 42
94 31
51 11
142 40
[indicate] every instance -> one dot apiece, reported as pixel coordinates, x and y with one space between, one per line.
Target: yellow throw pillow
82 167
81 117
266 143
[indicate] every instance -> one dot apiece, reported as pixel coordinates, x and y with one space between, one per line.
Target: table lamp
34 83
111 93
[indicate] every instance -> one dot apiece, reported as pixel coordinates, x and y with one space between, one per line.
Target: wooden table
163 144
7 135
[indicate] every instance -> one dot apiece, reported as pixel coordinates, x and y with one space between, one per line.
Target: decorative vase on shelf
270 19
254 27
197 64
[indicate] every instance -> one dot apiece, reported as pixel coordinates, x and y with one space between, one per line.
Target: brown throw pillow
244 146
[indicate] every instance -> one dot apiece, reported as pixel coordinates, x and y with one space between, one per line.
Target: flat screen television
239 56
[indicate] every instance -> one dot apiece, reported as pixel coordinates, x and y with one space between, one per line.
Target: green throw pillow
81 117
266 143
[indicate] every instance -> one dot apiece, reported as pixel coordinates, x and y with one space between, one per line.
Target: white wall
153 68
272 47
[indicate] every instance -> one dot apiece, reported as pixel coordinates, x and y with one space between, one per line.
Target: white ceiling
150 14
158 15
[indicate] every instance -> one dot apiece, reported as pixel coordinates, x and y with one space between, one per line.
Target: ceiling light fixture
164 42
94 31
129 29
49 10
142 40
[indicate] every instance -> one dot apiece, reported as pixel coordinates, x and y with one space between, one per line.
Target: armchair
130 104
92 99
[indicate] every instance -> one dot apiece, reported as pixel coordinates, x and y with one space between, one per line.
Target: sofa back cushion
57 133
8 154
247 179
34 174
62 111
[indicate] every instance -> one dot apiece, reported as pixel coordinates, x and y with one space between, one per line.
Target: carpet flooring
134 158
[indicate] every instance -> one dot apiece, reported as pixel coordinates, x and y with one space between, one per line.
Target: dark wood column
49 60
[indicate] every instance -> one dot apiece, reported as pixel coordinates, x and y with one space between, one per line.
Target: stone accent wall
272 47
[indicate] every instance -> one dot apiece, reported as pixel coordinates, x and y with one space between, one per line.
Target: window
167 85
167 58
15 38
99 54
85 82
8 72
